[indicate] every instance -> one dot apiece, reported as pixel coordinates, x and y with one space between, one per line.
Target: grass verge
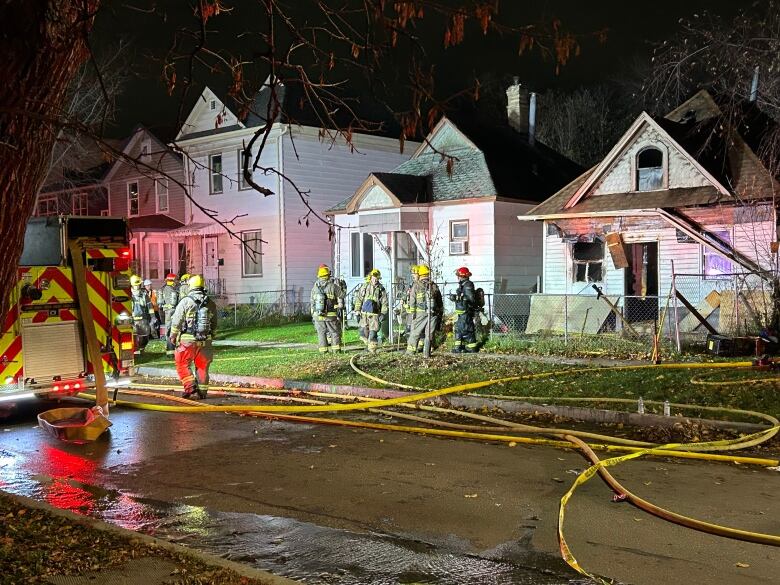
734 388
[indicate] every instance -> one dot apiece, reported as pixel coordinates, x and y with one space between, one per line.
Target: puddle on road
299 550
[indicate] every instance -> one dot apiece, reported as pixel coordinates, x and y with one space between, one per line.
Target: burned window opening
649 170
588 260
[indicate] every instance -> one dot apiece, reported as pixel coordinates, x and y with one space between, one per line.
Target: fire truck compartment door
52 349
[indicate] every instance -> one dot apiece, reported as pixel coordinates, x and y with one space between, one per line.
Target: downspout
280 191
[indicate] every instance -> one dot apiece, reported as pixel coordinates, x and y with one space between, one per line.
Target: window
133 200
361 254
167 259
48 206
715 265
252 253
588 258
161 188
215 168
242 183
182 258
80 204
153 260
459 237
649 170
146 149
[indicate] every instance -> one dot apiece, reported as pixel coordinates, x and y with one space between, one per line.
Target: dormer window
649 170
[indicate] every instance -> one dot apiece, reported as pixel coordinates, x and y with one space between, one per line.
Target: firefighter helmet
170 276
374 272
135 280
463 272
414 268
323 271
147 282
196 281
185 278
423 270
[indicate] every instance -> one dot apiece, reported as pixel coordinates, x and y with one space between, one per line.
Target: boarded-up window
588 260
253 253
215 168
715 265
650 170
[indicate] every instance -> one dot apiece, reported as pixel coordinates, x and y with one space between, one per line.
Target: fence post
566 319
235 311
676 314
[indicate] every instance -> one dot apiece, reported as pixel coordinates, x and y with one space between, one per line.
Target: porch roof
198 229
154 223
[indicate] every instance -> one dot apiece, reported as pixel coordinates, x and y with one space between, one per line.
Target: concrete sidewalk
149 560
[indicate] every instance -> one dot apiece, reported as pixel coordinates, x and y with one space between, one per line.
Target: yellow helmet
185 278
414 268
135 280
374 272
196 281
323 271
423 270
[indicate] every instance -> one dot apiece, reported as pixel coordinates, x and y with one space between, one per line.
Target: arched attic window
649 170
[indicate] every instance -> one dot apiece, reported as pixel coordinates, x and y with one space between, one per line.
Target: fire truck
69 321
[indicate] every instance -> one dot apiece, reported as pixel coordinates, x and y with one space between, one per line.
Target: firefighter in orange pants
192 329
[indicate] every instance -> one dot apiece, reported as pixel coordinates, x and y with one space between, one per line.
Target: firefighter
168 298
371 306
409 314
193 325
155 316
142 310
465 300
327 300
425 301
184 287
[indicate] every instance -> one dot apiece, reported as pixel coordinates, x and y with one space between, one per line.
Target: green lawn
445 370
295 332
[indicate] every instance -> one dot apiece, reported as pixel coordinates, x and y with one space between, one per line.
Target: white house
455 203
685 192
289 241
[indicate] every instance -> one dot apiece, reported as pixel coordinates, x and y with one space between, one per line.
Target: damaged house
683 198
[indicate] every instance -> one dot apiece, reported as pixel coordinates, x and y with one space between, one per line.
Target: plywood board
736 318
705 308
585 314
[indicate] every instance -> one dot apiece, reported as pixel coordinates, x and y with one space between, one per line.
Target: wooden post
88 324
676 314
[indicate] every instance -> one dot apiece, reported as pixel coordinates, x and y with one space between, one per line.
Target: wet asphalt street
336 505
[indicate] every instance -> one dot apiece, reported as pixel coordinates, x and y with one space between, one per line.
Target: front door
642 282
210 262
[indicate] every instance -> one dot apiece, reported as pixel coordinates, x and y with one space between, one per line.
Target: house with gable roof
455 202
146 186
686 192
281 244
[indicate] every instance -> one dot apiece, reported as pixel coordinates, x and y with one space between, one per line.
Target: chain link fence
262 307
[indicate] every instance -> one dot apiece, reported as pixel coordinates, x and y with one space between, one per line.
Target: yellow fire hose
694 450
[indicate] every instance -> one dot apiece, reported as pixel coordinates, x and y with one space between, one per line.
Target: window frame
587 263
242 184
664 165
156 247
258 252
216 175
705 253
454 238
157 182
137 198
48 200
363 262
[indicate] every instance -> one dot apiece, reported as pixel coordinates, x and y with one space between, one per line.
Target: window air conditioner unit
458 248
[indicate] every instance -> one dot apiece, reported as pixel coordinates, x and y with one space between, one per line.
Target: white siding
330 173
518 248
202 118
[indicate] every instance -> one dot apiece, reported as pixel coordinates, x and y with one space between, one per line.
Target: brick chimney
521 109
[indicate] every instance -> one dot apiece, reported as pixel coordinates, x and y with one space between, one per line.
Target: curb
473 402
214 561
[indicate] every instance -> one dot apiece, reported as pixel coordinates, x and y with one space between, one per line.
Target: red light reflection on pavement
67 470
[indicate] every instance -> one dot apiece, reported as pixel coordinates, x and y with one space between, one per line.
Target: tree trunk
43 44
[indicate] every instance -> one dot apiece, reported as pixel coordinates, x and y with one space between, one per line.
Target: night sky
632 29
